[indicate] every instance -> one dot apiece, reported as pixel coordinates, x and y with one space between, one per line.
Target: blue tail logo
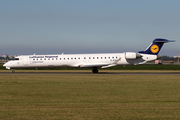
155 46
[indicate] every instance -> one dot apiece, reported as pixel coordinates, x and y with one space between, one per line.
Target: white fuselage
78 60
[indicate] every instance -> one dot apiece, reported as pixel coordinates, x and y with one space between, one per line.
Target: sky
87 26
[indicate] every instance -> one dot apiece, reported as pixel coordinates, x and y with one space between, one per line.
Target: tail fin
155 46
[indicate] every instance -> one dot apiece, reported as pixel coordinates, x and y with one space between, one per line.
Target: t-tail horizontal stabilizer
155 46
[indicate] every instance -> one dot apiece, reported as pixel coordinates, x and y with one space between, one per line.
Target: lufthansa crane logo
154 48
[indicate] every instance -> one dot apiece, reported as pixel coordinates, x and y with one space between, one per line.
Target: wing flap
107 66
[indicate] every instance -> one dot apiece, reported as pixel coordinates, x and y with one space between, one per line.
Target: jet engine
132 55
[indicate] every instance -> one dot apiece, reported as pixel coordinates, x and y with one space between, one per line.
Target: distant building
176 56
158 61
10 57
4 56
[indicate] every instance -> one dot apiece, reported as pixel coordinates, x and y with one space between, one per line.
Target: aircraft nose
6 65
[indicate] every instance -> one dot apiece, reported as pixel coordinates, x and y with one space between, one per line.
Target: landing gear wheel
95 70
13 71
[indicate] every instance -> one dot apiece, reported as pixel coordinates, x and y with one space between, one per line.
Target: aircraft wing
93 65
100 65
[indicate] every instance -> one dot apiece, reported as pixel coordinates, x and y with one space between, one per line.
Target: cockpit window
16 59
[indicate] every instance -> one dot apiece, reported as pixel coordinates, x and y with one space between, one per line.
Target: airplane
94 61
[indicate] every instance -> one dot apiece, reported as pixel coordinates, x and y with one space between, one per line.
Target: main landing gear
95 70
13 71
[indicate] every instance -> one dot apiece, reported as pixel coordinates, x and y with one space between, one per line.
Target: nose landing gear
13 71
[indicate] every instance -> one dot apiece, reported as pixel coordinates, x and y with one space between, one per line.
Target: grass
44 97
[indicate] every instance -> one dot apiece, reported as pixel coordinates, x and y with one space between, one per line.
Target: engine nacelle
132 55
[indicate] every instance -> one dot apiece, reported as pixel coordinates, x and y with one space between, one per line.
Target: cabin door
25 60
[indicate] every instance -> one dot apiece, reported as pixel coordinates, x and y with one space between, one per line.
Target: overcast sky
87 26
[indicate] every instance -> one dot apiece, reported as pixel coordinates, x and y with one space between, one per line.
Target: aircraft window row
76 58
68 58
102 57
90 58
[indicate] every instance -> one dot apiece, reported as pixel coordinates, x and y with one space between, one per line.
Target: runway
86 73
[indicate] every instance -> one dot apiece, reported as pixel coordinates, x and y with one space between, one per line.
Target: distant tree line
168 58
7 58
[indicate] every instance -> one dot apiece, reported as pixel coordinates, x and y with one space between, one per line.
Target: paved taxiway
85 73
